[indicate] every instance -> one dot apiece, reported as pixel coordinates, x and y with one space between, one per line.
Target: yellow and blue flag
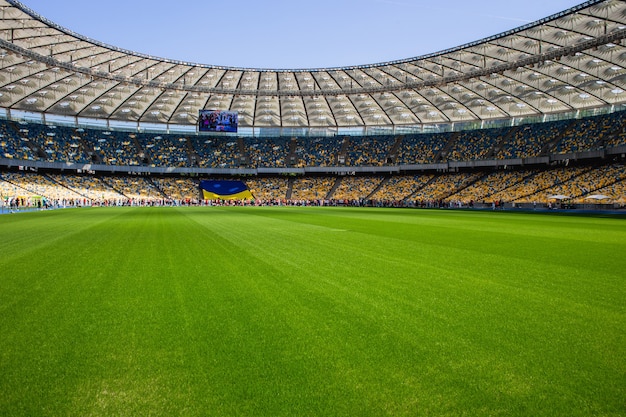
225 190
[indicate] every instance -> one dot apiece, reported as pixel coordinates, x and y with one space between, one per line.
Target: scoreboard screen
217 121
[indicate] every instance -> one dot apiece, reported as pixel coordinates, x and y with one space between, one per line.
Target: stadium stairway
62 185
550 146
501 142
159 189
292 158
416 190
244 156
192 155
336 185
112 187
87 147
392 155
520 180
378 187
36 150
145 158
470 180
290 183
443 153
341 157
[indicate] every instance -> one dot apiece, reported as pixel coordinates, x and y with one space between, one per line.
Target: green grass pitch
286 311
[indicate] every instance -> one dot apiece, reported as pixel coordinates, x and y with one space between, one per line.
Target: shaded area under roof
570 61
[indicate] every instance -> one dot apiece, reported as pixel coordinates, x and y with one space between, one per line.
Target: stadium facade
72 103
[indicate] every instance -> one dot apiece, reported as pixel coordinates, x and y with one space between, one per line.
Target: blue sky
281 34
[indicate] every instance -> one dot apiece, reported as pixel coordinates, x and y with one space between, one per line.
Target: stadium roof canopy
570 61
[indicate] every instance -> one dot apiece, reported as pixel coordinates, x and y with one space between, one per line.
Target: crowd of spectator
86 186
529 141
51 143
443 187
352 188
28 189
475 144
320 151
161 151
421 149
487 187
370 150
536 186
115 148
216 152
576 184
177 189
270 188
590 134
612 193
401 187
604 184
312 188
265 152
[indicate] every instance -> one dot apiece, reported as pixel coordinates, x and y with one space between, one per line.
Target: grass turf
311 311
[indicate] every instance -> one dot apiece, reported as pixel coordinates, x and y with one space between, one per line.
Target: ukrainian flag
225 190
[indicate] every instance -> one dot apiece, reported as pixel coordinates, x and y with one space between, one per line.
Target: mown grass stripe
269 311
